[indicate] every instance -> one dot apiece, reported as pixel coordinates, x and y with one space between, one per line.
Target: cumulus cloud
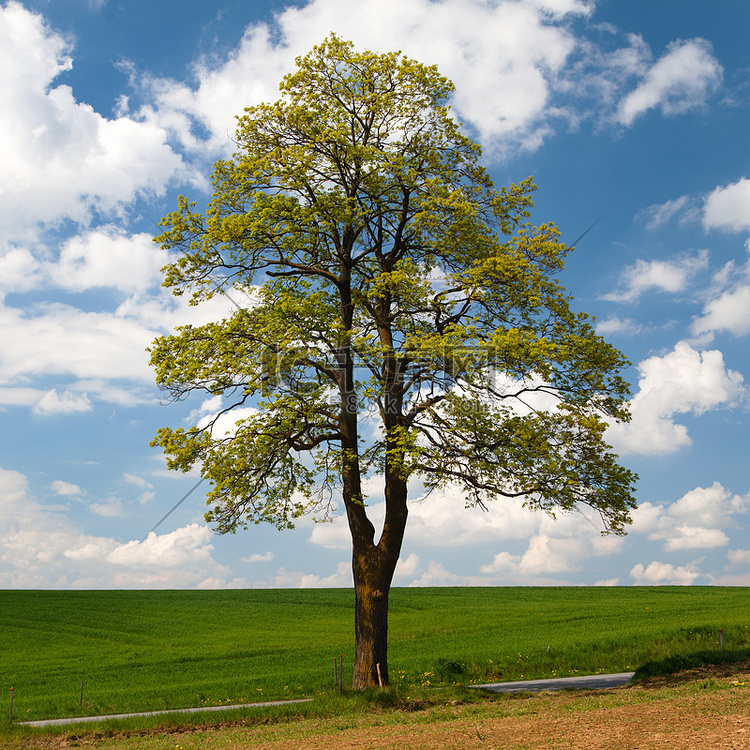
698 520
436 574
553 551
728 312
407 568
728 306
728 207
65 488
670 276
66 402
659 573
681 80
739 556
259 557
441 520
41 548
341 578
504 58
684 381
107 257
61 159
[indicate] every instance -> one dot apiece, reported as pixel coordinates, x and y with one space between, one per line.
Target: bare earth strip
628 728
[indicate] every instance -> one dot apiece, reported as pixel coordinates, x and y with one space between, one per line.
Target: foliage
388 277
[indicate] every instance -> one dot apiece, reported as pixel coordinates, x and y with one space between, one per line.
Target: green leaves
388 278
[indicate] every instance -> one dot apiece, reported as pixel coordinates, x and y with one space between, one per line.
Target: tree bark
373 567
371 588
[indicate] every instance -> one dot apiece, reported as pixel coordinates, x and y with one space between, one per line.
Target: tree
389 284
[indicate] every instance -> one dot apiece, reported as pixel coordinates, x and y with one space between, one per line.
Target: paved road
585 682
81 719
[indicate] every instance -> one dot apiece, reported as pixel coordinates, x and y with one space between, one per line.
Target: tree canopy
403 319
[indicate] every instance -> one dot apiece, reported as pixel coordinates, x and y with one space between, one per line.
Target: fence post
341 672
721 639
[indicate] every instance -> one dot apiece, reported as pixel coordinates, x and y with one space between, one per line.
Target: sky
633 118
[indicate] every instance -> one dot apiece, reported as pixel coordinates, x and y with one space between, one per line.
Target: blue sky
632 117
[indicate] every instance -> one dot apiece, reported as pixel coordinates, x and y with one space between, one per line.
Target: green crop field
142 650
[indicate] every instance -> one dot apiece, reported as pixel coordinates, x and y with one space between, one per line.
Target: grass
152 650
670 711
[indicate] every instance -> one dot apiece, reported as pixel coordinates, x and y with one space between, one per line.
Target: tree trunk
373 567
372 583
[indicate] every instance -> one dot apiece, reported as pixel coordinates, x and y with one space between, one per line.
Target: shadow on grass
682 667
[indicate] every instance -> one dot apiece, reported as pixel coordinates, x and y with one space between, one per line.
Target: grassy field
141 650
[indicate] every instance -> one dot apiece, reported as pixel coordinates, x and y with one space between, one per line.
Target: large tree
403 320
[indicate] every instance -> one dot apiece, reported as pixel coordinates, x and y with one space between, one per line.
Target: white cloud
53 402
283 578
685 381
65 488
662 275
259 557
728 306
107 257
659 214
739 556
180 547
407 568
659 573
41 548
137 481
110 508
20 271
682 79
147 494
61 159
728 207
696 521
58 339
708 506
504 58
695 537
615 325
437 575
103 353
546 554
442 520
728 312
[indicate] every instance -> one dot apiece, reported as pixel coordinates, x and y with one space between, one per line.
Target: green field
141 650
